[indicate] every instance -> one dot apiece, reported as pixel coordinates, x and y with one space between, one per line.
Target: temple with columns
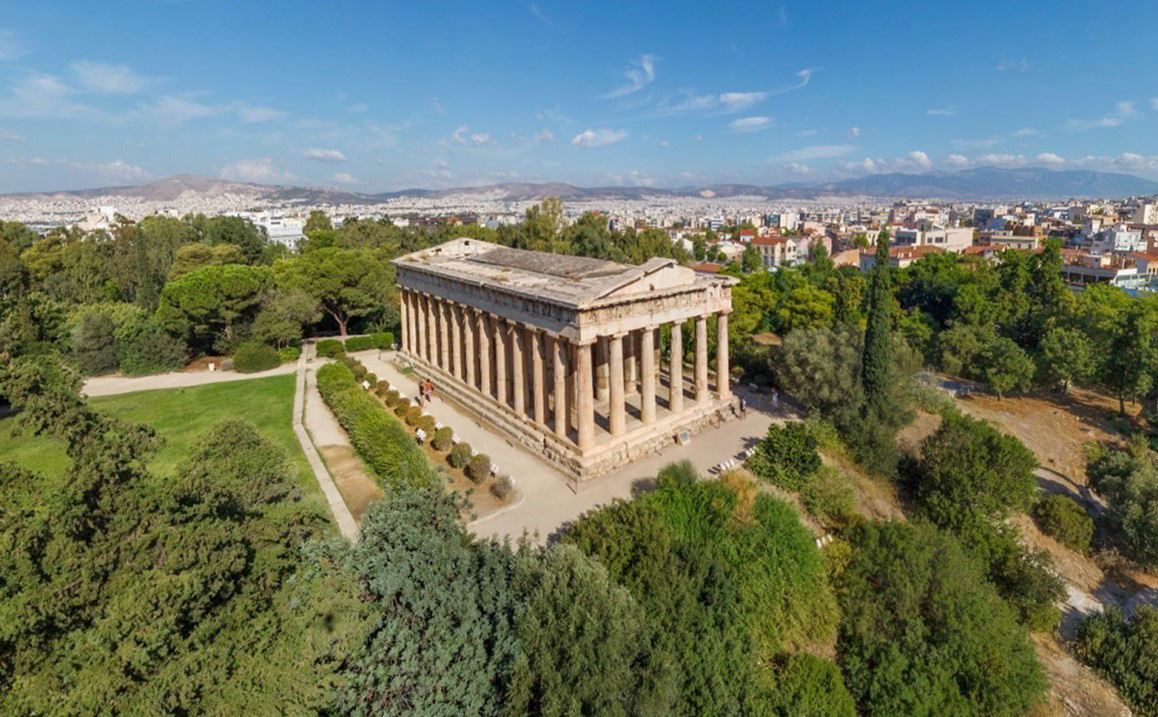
581 360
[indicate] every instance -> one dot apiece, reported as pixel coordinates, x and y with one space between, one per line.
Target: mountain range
976 184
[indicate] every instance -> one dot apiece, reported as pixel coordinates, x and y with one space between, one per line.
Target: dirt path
113 385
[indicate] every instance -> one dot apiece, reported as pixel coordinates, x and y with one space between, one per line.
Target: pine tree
876 368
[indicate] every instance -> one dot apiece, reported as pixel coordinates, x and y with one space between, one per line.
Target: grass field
181 416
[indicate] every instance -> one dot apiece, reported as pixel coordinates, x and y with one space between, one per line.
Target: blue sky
386 95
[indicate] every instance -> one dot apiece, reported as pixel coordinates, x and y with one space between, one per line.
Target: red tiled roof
707 268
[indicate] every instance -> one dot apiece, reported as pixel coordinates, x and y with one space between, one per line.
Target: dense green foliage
1128 480
253 356
922 632
877 364
787 456
1060 517
1126 652
330 348
386 446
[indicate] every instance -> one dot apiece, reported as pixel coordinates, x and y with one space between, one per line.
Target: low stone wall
599 460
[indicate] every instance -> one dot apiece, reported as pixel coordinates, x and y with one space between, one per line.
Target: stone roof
573 281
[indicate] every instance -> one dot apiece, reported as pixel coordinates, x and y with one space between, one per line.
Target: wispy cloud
10 46
947 111
805 76
956 161
1007 65
257 113
169 110
783 16
107 78
538 13
797 168
44 96
818 151
1025 132
545 136
1051 158
6 136
723 103
1123 111
750 124
344 178
852 133
983 143
1154 103
438 106
117 170
639 75
324 155
598 137
255 170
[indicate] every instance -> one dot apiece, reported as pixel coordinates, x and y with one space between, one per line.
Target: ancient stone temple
582 360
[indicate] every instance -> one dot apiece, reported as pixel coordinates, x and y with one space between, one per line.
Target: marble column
443 335
518 370
647 375
455 312
484 352
559 365
420 324
432 330
404 314
471 355
538 378
601 369
615 409
500 337
629 362
675 396
585 398
701 359
723 387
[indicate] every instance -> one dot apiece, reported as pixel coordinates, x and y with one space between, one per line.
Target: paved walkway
112 385
547 502
342 516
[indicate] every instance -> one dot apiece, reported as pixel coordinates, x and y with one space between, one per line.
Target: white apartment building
1145 214
952 239
1117 238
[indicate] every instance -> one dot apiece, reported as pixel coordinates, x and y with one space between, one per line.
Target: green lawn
181 416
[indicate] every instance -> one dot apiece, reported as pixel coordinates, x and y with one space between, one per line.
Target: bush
330 348
252 357
381 388
401 407
413 415
787 456
1128 480
288 354
391 398
427 425
809 685
359 343
502 487
479 468
144 348
459 455
443 439
383 339
381 440
94 343
1060 517
829 497
1126 652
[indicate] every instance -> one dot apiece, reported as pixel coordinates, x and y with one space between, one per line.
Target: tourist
776 399
743 407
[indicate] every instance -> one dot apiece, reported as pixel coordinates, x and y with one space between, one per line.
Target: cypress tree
876 368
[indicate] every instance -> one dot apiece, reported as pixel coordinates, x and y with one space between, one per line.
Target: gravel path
113 385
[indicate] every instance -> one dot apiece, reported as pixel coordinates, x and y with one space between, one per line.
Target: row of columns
561 386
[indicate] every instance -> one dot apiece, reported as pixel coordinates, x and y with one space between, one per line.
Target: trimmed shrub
371 377
479 468
252 357
381 388
330 348
288 354
828 496
401 407
383 339
427 425
413 415
502 487
380 439
359 343
443 439
459 455
787 456
1060 517
391 398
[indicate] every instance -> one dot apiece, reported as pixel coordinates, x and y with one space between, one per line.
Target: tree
751 260
1128 480
317 221
877 365
347 283
208 303
1125 652
197 255
283 314
1067 357
922 632
805 307
94 343
238 231
822 369
1126 367
1005 366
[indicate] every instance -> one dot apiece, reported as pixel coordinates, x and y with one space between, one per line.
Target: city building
948 238
566 354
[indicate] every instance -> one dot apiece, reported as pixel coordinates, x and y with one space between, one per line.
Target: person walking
776 399
743 407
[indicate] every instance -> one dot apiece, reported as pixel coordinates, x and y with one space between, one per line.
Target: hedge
383 340
252 357
289 354
330 348
385 445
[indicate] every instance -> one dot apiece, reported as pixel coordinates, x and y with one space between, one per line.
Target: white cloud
639 76
538 13
344 178
1154 103
1123 111
599 137
1051 159
751 124
257 113
107 78
740 101
796 168
1006 65
1001 160
324 155
1025 132
359 108
853 132
664 143
984 143
38 95
819 151
808 133
169 110
254 170
947 111
10 47
919 159
956 160
634 178
438 106
6 136
545 136
459 134
479 139
805 76
118 170
699 138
